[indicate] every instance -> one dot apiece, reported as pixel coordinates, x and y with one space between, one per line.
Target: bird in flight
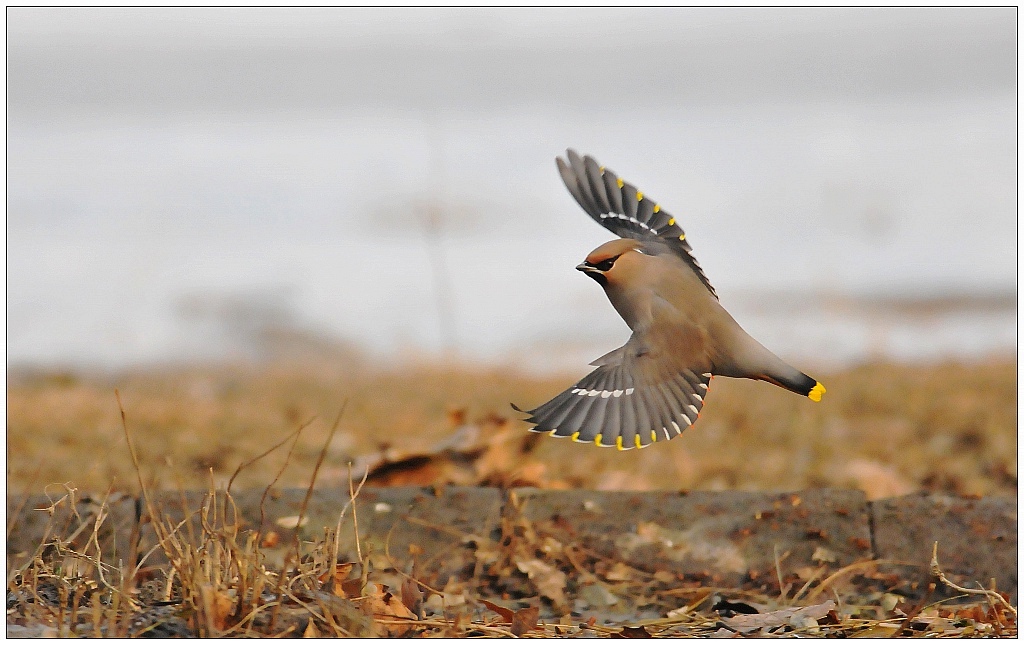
653 387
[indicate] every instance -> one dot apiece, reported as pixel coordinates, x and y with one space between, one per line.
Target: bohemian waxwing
654 385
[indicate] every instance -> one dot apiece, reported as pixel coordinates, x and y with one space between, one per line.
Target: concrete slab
729 536
977 537
37 518
424 525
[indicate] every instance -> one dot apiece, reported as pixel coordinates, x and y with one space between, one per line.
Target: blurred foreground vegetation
887 429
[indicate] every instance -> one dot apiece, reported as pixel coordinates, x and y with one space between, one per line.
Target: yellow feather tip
639 196
619 182
657 208
618 443
672 222
654 435
597 440
575 436
636 440
816 392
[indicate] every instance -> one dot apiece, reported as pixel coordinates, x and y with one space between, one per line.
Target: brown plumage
653 386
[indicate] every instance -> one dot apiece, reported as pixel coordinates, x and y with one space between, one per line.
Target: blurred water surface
181 181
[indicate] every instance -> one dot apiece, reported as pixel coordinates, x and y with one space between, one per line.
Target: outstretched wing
627 402
624 210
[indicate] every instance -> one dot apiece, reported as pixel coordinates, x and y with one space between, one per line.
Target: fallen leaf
878 631
524 620
664 576
270 540
333 580
632 632
310 631
387 606
352 619
352 588
505 613
550 582
412 596
619 572
822 554
797 616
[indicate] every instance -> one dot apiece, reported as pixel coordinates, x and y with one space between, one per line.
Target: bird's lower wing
623 405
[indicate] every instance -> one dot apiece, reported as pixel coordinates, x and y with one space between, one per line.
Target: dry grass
215 581
889 429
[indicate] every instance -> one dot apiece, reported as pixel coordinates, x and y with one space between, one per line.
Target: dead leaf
352 588
412 596
505 613
619 572
524 620
387 606
664 576
550 582
352 619
797 616
310 631
333 580
822 554
632 632
270 540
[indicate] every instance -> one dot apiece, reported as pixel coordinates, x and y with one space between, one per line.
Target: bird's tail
752 360
795 381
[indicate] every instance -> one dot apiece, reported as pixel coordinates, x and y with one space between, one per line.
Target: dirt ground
884 428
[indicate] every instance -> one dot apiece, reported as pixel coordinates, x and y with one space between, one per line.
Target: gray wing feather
597 188
629 202
643 416
598 192
647 401
611 188
573 184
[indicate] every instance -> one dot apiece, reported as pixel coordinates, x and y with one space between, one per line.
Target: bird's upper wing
624 210
630 401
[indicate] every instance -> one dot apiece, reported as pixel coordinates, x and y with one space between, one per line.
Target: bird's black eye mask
604 265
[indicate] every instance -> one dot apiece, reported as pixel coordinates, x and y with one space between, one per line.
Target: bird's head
605 264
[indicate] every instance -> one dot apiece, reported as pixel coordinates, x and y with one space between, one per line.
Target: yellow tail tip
816 392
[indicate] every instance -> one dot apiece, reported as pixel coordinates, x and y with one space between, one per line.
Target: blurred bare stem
434 221
433 232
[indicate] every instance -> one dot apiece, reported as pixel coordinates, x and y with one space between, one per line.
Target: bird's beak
593 272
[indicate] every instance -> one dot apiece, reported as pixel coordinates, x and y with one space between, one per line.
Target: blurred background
178 178
209 186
